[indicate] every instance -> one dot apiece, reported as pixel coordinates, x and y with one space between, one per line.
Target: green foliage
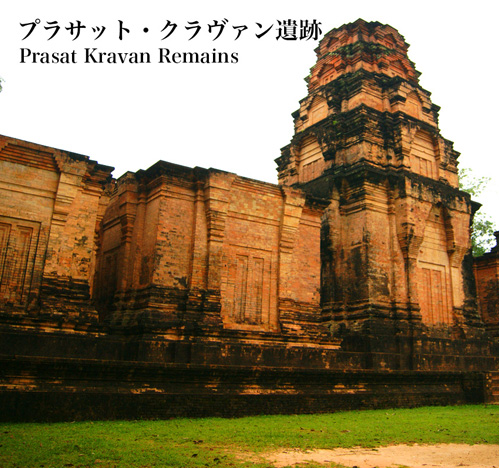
471 184
482 235
237 442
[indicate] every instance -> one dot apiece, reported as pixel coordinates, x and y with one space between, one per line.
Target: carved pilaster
217 193
198 266
292 210
410 238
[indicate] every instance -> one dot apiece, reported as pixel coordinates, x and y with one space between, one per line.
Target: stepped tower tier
365 104
396 235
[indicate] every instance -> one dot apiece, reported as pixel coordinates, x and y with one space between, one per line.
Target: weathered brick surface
165 391
231 249
486 269
397 227
50 207
189 291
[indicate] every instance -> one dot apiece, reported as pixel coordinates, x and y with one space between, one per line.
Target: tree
482 234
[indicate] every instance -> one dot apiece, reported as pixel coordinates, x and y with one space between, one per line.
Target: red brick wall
50 204
248 246
486 270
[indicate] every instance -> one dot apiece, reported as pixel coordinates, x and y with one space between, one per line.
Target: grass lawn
220 442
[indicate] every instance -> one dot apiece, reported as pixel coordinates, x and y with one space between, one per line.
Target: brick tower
396 235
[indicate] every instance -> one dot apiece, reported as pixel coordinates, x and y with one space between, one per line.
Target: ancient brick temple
177 291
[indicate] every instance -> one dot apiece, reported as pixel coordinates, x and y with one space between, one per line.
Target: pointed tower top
373 46
365 106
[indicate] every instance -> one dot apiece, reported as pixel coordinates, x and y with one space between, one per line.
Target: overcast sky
234 116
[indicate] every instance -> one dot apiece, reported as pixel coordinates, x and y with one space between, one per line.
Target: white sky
234 117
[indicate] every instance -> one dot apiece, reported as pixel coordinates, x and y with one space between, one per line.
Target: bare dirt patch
413 456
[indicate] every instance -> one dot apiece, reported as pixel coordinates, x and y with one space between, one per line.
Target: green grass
219 442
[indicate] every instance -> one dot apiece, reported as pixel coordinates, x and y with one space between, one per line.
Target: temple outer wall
232 253
51 202
153 390
486 270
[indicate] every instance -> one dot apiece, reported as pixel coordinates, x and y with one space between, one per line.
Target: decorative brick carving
18 253
50 204
388 175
